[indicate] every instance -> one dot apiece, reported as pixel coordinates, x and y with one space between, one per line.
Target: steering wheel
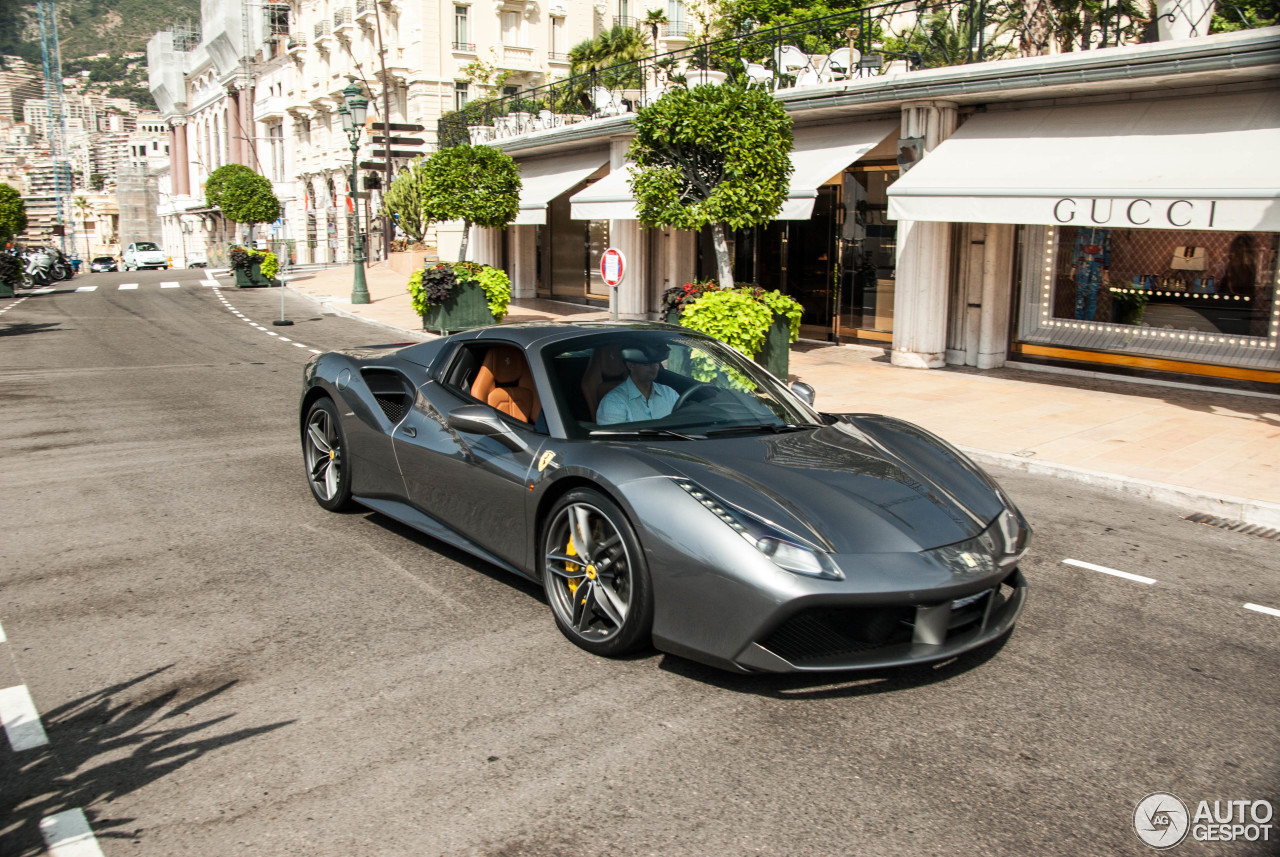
689 393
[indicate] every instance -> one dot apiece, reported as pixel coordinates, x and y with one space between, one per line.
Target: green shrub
780 304
732 316
497 289
270 264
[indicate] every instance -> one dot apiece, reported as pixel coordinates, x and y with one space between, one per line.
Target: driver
640 397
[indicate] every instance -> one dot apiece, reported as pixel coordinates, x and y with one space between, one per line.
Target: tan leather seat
605 370
505 383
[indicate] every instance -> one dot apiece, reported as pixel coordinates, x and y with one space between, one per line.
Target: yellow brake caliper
569 566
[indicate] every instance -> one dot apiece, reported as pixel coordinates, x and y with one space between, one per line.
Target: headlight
786 550
998 547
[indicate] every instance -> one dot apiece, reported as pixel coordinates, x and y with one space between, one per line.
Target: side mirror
803 392
477 419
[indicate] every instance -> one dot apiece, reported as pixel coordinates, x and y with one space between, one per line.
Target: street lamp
353 111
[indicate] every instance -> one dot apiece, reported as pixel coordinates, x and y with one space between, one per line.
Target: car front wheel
324 450
595 576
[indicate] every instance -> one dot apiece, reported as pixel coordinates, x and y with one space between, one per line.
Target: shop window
1199 295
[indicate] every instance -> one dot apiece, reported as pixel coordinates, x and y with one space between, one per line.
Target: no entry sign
612 266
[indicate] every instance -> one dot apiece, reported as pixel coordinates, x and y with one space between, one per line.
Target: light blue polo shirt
626 404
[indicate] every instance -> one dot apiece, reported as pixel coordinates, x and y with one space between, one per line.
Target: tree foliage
405 200
13 213
248 198
710 156
474 184
217 182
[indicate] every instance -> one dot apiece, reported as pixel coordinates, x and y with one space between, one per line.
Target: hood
845 488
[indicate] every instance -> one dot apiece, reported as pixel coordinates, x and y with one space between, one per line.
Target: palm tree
82 205
600 58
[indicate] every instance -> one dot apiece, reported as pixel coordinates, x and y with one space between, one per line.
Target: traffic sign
394 126
398 141
612 266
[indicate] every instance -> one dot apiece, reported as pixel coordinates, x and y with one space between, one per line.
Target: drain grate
1234 526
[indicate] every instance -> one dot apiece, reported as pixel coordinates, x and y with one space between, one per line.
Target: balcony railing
676 30
464 47
342 17
321 30
364 7
888 39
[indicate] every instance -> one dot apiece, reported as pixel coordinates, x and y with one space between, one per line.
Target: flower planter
252 278
775 354
466 308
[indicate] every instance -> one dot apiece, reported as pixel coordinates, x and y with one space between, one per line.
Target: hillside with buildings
85 27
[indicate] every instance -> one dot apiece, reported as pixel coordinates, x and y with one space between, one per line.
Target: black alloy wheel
324 449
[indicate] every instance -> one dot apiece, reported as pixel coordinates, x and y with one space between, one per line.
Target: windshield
667 384
146 245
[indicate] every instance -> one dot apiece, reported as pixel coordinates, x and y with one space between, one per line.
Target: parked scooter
39 270
61 269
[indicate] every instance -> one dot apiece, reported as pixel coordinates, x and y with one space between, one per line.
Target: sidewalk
1201 450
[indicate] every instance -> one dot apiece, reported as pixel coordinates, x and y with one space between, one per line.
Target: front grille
394 407
831 632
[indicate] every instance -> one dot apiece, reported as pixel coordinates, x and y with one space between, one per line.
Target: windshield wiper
642 432
755 427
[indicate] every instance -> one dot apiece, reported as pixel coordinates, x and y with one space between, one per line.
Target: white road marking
285 339
314 350
21 720
272 333
68 835
12 305
48 290
87 289
1270 611
1102 568
298 345
124 286
2 636
169 285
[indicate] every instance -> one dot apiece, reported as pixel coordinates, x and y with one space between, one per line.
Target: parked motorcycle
61 269
39 270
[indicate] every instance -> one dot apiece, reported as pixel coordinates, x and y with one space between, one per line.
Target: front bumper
831 638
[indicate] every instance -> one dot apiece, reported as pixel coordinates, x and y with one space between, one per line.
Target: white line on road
298 345
1102 568
3 638
68 835
272 333
21 720
314 350
124 286
1270 611
169 285
285 339
87 289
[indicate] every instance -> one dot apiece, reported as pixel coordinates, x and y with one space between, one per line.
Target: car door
475 483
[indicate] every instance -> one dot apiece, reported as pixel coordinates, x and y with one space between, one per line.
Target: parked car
738 527
101 264
144 254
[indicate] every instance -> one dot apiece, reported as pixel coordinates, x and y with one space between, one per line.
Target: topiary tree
404 200
247 198
217 182
711 156
474 184
13 213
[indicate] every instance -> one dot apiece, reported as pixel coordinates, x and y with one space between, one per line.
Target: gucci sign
1155 213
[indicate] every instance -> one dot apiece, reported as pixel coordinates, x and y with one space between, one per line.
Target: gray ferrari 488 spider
666 491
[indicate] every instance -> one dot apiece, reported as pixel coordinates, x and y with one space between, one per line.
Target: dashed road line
124 286
14 304
2 636
87 289
21 720
1258 608
170 285
67 834
1114 572
243 317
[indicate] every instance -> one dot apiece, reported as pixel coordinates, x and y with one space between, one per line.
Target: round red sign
612 265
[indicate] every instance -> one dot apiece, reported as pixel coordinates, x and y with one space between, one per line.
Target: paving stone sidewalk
1202 450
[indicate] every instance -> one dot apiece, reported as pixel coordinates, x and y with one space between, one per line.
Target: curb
1257 512
1189 500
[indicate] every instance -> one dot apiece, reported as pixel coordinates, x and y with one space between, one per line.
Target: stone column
626 235
484 246
997 296
232 131
924 257
179 163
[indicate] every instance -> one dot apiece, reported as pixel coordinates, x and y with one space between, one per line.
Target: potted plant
10 274
253 268
757 322
460 296
675 300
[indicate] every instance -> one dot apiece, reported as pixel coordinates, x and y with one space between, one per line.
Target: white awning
546 178
1179 163
823 151
608 199
817 154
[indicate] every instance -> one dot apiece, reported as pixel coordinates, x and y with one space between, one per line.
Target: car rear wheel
324 450
595 576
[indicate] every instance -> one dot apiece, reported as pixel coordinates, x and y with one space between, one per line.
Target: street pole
353 113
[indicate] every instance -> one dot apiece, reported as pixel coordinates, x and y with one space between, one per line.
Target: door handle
410 431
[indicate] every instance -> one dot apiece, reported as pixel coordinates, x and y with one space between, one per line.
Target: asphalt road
223 668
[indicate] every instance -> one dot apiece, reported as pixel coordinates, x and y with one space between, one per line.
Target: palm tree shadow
100 749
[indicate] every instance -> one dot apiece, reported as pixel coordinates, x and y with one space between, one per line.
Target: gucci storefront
1147 232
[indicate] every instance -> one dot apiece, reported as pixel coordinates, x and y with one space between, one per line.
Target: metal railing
887 39
363 6
464 47
676 29
342 16
321 29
